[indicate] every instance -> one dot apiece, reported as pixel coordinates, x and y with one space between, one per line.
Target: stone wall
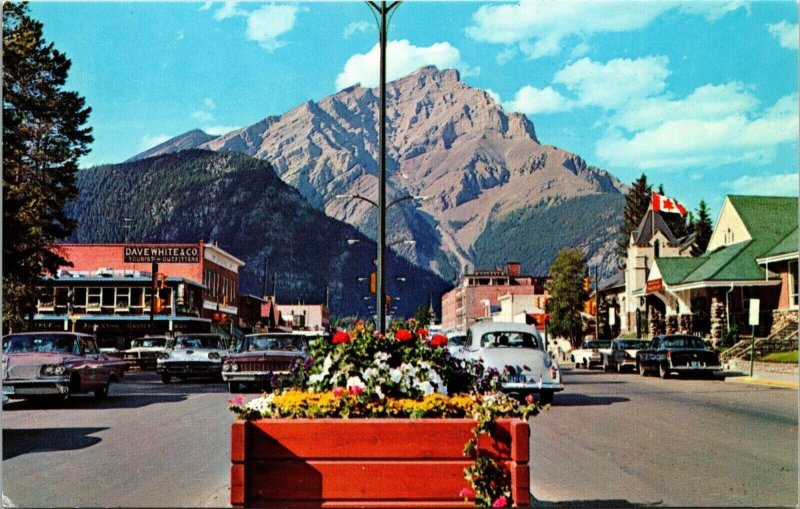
781 318
718 323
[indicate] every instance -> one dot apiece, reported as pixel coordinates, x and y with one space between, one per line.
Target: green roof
772 224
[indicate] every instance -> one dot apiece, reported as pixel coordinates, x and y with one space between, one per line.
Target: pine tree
703 229
567 294
637 202
43 137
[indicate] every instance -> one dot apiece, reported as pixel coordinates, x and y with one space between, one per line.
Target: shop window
61 296
46 300
80 297
108 297
137 297
122 302
93 299
793 284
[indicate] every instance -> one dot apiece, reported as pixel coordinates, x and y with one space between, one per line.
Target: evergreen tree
43 137
423 316
702 228
637 202
567 294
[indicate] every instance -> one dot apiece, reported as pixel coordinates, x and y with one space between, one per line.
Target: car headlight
53 370
163 356
213 355
226 367
234 367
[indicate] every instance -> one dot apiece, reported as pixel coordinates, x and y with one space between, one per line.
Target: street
608 440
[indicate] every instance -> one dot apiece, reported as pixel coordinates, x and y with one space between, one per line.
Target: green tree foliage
567 294
702 229
44 134
637 203
423 315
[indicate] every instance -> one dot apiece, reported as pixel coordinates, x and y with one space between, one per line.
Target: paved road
616 440
610 439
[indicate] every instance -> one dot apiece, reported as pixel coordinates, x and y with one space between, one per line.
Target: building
305 316
521 308
109 290
476 294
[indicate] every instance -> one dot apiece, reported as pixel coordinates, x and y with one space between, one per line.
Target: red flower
466 493
529 399
403 335
439 340
341 337
422 332
338 391
501 501
356 390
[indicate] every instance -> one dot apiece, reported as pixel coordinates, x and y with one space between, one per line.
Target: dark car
56 364
677 353
261 357
623 354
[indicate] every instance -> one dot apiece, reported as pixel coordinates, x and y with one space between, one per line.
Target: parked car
193 356
455 341
259 357
590 353
677 353
56 364
623 354
517 352
144 351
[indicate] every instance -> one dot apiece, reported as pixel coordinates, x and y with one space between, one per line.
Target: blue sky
700 96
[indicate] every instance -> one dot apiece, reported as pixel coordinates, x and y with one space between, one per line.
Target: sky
702 97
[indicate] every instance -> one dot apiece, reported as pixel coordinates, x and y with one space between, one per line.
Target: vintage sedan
193 356
56 364
517 352
455 341
622 355
590 353
677 353
144 351
261 357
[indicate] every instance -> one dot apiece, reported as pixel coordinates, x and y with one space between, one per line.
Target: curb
758 381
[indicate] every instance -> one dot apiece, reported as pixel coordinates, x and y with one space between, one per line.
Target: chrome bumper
22 388
250 376
531 387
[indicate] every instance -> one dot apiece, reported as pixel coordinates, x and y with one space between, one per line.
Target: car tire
663 372
166 378
546 397
102 393
606 365
619 367
233 387
642 370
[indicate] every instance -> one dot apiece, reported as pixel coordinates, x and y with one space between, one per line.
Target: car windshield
457 340
597 344
509 339
266 342
149 343
185 342
633 344
683 342
28 343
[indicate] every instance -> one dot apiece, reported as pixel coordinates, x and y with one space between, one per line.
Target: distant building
305 316
478 293
250 312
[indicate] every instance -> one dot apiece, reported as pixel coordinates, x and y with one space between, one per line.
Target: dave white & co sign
178 253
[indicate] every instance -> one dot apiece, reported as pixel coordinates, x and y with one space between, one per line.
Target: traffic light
161 280
587 284
158 304
373 283
388 302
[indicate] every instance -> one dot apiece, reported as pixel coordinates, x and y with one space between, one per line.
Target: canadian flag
667 206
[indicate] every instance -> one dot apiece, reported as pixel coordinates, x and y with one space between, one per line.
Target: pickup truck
677 353
590 353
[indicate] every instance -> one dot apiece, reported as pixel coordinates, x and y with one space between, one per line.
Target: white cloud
786 34
773 185
707 138
206 5
210 104
539 28
506 55
202 116
356 26
402 58
216 130
150 141
616 82
579 50
270 22
531 100
494 95
228 10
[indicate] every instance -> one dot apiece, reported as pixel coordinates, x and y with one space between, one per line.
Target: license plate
8 389
518 379
695 364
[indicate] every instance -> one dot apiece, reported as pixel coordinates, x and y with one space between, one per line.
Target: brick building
478 294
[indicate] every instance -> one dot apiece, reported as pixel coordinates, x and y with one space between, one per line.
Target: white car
455 342
193 356
590 353
517 351
144 351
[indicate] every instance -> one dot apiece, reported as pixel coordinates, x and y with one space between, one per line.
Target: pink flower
340 337
466 493
529 399
239 400
439 340
403 335
338 391
356 390
501 501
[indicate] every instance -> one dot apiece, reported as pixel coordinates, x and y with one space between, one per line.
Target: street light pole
383 10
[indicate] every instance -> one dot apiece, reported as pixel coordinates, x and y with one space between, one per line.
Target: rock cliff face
446 140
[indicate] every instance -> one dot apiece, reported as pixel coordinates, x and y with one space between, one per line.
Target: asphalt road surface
609 440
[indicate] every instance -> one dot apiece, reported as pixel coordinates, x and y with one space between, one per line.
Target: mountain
446 140
240 203
188 140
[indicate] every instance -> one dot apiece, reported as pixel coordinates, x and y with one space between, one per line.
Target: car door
96 370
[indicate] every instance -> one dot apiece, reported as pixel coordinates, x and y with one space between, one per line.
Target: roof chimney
513 269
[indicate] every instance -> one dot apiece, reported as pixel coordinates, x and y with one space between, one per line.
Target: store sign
177 253
654 286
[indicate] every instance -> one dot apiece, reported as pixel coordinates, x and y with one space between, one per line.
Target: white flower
379 392
381 356
426 388
395 375
315 379
370 374
354 381
326 364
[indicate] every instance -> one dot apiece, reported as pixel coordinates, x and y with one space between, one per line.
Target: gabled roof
615 281
644 232
770 221
787 246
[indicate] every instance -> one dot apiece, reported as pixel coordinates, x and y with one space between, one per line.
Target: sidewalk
773 376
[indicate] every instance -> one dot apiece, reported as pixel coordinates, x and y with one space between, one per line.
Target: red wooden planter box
366 462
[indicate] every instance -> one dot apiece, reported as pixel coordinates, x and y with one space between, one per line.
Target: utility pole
383 11
596 306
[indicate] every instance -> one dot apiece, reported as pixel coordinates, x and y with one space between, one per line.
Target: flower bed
382 421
